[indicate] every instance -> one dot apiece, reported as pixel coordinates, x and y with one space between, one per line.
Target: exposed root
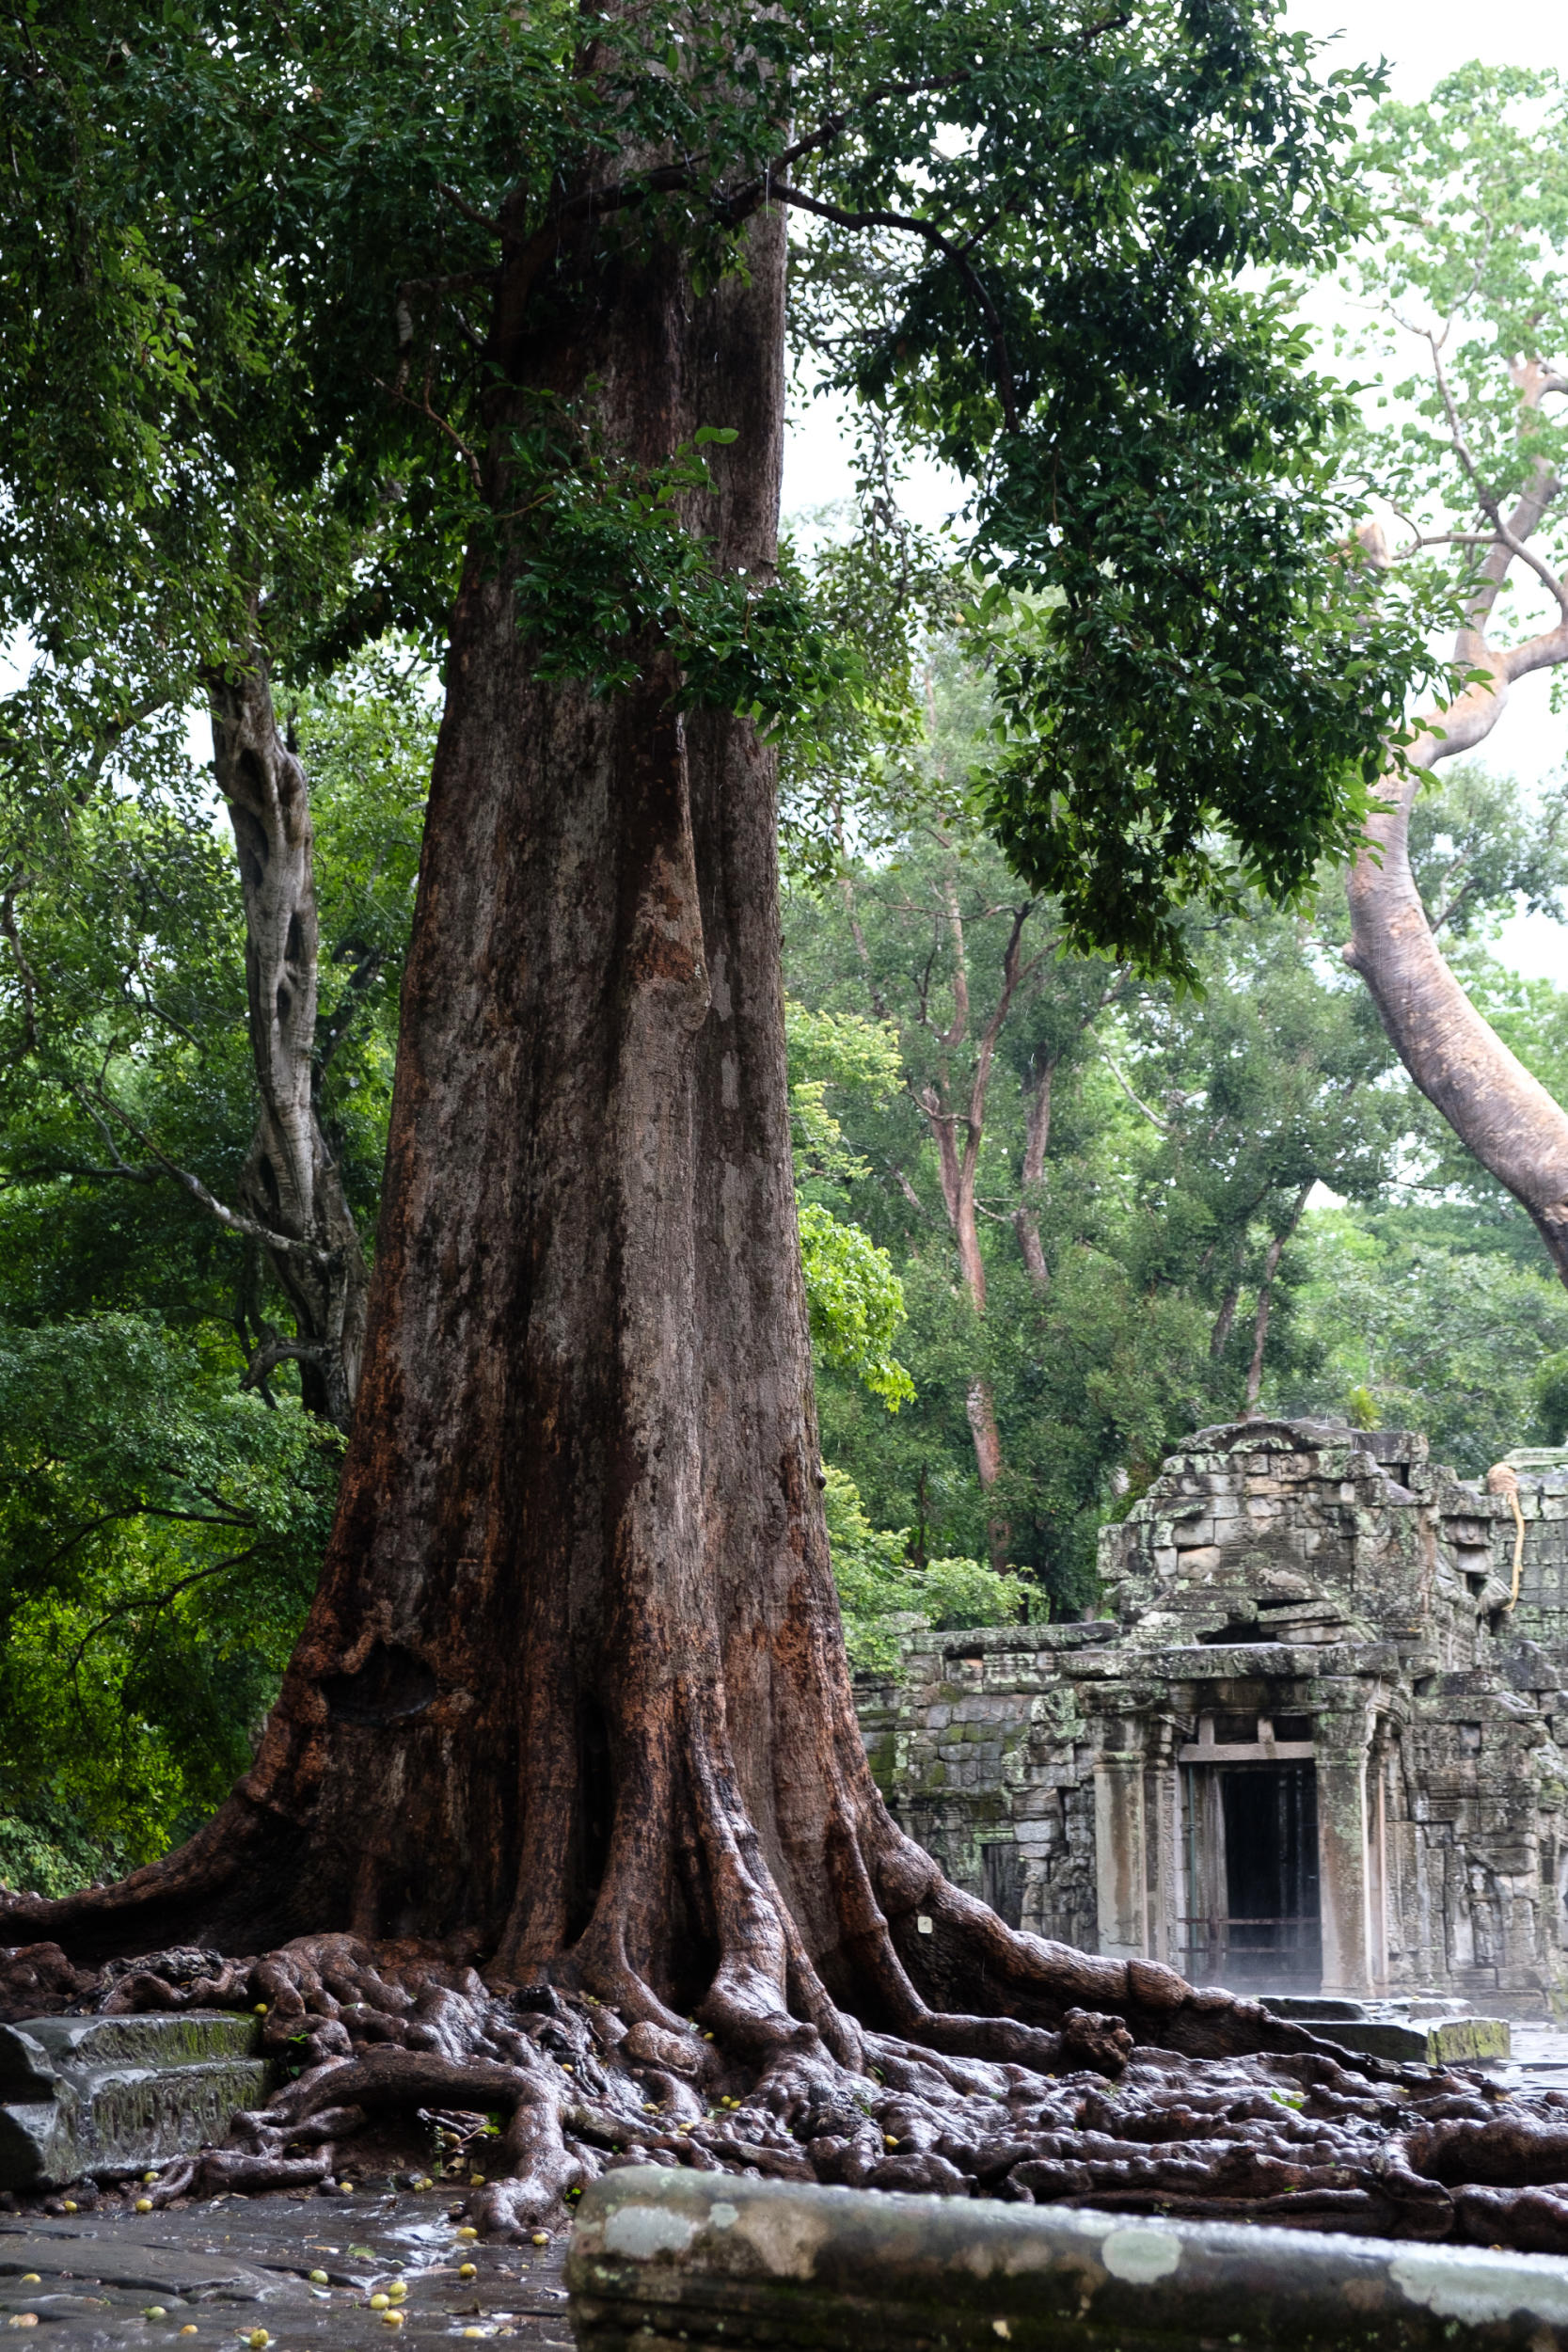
556 2087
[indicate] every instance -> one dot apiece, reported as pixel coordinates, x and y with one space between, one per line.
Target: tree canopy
262 250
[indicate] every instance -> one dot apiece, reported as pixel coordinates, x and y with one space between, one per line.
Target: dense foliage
162 1530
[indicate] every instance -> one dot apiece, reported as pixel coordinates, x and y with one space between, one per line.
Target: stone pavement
215 2274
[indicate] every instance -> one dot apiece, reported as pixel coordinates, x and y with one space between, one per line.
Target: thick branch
910 224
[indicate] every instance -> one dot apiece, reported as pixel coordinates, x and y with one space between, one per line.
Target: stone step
1427 2040
113 2094
169 2038
1303 2006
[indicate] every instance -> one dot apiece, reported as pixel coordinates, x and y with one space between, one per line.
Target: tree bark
290 1184
1501 1113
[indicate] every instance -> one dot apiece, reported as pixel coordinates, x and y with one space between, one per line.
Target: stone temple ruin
1320 1747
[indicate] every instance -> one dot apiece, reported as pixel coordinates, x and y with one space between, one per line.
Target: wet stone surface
216 2273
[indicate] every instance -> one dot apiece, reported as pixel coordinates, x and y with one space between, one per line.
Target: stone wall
1319 1614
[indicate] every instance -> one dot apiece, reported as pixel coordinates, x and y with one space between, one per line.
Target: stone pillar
1343 1887
1163 1821
1120 1864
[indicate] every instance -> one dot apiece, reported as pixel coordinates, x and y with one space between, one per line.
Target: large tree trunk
291 1187
572 1690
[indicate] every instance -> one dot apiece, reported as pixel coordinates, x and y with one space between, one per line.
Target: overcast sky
1422 40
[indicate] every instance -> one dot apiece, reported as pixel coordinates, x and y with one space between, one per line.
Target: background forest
1053 1214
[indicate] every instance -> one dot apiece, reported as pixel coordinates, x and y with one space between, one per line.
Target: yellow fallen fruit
150 2176
261 2008
379 2301
144 2204
540 2238
69 2205
467 2270
319 2279
257 2340
23 2319
476 2180
397 2290
154 2311
466 2232
393 2319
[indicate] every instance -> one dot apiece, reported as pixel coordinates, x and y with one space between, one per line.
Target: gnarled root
978 2061
1093 2115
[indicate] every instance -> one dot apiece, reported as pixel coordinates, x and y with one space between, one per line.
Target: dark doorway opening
1252 1866
1002 1881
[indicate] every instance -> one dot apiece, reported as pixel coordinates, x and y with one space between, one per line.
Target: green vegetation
161 1529
883 1597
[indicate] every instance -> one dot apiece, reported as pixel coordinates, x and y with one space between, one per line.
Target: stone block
1202 1560
661 2258
1430 2041
108 2095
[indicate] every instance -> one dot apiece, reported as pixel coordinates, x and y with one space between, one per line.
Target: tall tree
572 1690
178 536
1474 209
963 962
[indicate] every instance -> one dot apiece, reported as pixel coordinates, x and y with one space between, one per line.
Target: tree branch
1487 497
188 1183
1161 1125
361 981
276 1351
158 1604
910 225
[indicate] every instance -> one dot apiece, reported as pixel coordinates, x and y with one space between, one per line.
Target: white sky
1422 40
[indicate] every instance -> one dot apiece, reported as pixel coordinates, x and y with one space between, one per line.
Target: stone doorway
1251 1835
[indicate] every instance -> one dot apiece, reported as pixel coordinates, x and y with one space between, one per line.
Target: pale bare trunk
290 1184
1503 1115
959 1169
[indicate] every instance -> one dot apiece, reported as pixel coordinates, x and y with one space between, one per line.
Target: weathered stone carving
110 2094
